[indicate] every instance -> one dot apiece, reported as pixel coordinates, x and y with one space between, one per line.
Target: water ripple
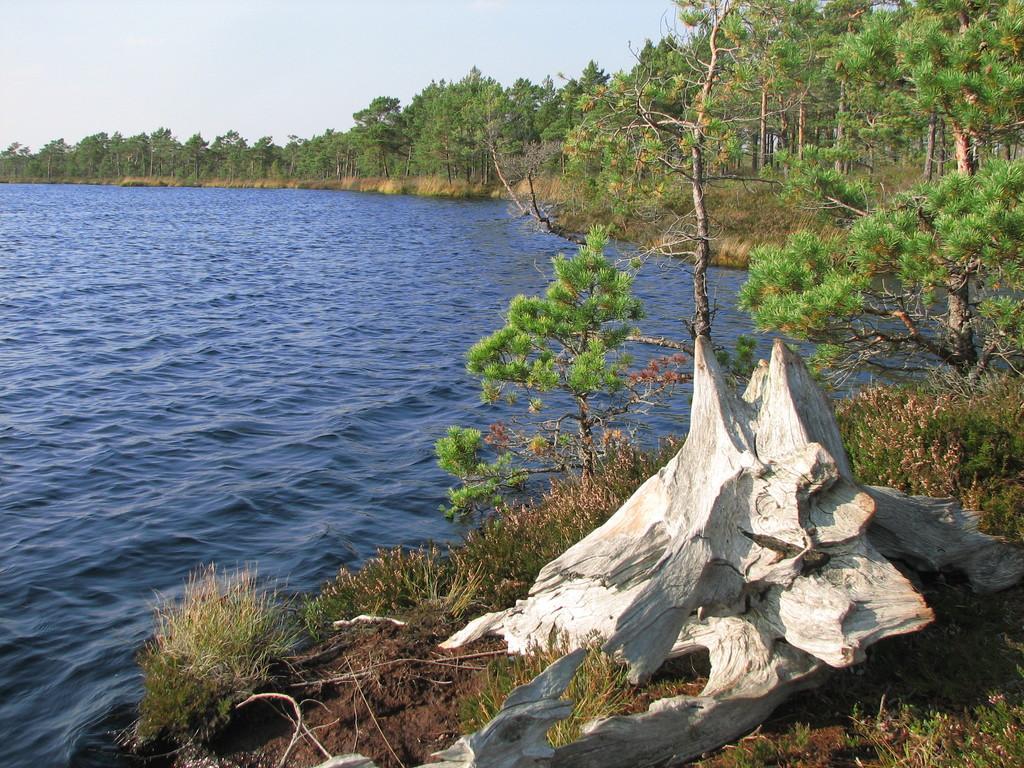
190 376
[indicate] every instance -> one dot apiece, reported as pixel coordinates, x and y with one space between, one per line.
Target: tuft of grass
210 649
598 689
510 548
397 582
947 438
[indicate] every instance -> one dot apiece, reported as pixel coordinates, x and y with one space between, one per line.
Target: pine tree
567 347
875 296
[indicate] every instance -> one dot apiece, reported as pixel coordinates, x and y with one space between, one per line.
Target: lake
234 376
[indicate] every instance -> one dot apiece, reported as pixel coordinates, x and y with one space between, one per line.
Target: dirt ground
384 691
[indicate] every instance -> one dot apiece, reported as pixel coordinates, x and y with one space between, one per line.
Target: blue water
232 376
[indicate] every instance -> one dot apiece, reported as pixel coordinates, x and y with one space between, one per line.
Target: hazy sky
69 68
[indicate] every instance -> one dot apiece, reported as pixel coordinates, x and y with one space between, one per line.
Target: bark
702 310
965 159
929 152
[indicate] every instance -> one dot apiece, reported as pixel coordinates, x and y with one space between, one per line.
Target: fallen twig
300 727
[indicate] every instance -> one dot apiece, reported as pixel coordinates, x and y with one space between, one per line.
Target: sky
70 68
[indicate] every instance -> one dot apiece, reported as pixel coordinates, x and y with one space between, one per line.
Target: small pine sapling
563 349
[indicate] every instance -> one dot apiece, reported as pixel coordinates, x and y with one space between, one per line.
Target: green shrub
965 441
209 649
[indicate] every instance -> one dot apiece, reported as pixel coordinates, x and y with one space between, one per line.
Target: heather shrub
509 549
964 441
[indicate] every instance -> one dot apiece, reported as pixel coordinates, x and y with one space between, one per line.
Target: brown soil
383 691
414 690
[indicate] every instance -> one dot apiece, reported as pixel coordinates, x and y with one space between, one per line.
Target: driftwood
756 544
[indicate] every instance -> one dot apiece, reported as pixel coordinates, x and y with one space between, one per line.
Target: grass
743 215
211 648
424 186
598 689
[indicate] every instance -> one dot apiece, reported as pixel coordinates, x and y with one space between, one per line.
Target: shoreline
426 697
418 186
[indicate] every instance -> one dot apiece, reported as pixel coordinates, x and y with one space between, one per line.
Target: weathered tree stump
756 543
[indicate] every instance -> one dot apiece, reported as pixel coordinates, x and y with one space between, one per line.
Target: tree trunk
801 123
942 146
929 152
840 128
587 453
762 129
960 321
966 162
701 309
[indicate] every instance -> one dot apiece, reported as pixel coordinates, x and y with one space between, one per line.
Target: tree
53 154
568 346
378 126
874 297
163 149
14 159
195 150
933 276
659 123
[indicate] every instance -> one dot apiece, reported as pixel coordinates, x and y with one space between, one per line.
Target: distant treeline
449 129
